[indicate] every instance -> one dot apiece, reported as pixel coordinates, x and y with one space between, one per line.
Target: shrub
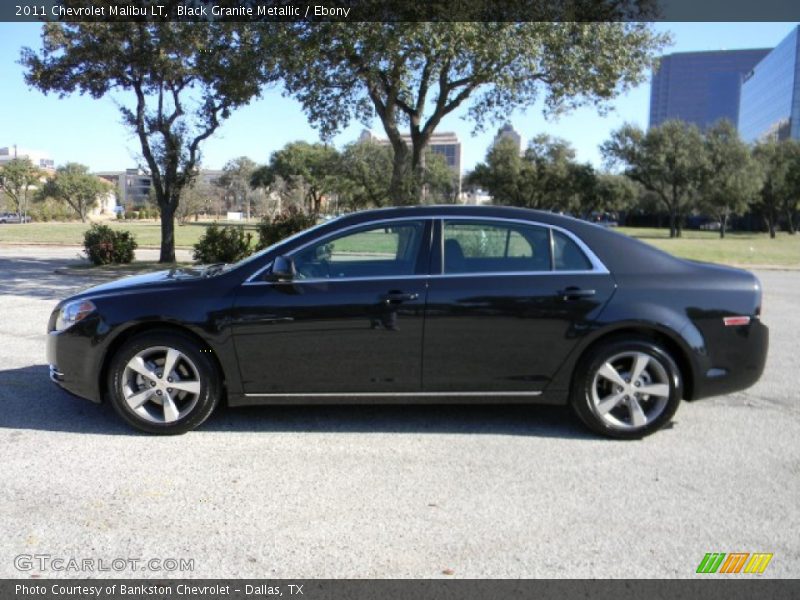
286 223
104 245
222 244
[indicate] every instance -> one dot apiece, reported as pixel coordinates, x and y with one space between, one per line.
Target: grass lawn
735 249
148 233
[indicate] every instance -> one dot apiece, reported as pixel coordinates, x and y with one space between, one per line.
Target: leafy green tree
610 193
18 177
505 175
413 74
791 200
668 160
310 166
731 178
74 185
182 81
197 197
366 169
235 180
777 190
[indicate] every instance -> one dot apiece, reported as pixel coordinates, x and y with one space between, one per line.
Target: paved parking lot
391 491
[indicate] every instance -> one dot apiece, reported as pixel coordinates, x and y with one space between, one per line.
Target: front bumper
74 363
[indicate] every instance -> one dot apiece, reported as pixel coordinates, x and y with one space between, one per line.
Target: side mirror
282 270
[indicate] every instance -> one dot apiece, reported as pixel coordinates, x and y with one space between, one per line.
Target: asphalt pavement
328 492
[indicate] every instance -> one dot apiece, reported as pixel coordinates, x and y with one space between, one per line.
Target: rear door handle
575 293
397 297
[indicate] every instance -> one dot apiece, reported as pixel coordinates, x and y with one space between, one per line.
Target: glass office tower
770 98
700 87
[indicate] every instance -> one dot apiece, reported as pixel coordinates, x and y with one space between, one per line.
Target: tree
791 199
366 168
197 197
235 180
413 74
310 166
611 192
667 160
184 78
17 177
777 191
545 177
731 177
77 187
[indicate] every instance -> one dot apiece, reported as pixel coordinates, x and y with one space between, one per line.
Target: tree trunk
398 190
723 224
417 172
790 223
672 224
771 224
167 232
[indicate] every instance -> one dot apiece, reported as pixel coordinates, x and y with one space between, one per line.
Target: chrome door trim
387 394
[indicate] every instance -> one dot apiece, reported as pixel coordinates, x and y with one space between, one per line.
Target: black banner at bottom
729 588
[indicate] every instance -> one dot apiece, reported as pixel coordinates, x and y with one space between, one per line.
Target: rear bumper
735 363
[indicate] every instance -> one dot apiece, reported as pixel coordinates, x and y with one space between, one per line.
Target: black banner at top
399 10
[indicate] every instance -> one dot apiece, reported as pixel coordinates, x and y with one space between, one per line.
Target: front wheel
161 382
627 389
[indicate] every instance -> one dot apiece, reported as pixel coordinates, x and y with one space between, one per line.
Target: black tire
593 392
193 369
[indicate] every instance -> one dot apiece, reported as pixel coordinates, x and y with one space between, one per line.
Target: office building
700 87
507 132
770 98
446 143
39 159
133 186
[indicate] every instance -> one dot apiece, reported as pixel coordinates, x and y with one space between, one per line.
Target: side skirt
399 398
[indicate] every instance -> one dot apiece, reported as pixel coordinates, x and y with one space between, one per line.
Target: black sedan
420 304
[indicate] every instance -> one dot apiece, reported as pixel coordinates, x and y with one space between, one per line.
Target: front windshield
253 257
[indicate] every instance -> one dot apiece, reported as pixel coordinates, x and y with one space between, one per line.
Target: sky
81 129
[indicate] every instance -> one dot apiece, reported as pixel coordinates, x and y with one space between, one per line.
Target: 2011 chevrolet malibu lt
420 304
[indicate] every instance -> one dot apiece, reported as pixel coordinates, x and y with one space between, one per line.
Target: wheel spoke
137 364
136 400
169 362
639 365
608 403
610 373
638 418
193 387
170 410
656 389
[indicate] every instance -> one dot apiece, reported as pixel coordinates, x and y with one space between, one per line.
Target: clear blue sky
81 129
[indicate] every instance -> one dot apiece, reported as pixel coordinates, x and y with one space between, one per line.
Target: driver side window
374 251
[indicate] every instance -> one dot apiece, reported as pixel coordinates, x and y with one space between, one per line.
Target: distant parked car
8 217
711 226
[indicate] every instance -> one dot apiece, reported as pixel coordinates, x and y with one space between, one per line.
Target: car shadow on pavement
37 278
29 400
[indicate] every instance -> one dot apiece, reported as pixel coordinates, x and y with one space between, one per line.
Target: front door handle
398 297
575 293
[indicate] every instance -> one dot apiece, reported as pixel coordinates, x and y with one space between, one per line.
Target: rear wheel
160 382
627 388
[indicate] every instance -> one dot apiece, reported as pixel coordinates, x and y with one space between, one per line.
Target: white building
39 159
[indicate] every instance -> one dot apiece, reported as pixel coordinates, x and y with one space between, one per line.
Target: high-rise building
770 99
507 132
700 87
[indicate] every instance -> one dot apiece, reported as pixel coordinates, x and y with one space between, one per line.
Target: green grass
736 249
148 233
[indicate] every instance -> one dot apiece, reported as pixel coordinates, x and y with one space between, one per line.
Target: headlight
72 312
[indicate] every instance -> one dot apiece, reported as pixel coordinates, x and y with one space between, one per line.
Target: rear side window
495 247
567 256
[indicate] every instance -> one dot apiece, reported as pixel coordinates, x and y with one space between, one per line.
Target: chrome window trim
598 268
597 264
251 279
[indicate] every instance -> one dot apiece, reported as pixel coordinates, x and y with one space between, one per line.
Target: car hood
170 276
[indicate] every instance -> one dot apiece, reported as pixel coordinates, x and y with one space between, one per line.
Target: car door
350 322
509 302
